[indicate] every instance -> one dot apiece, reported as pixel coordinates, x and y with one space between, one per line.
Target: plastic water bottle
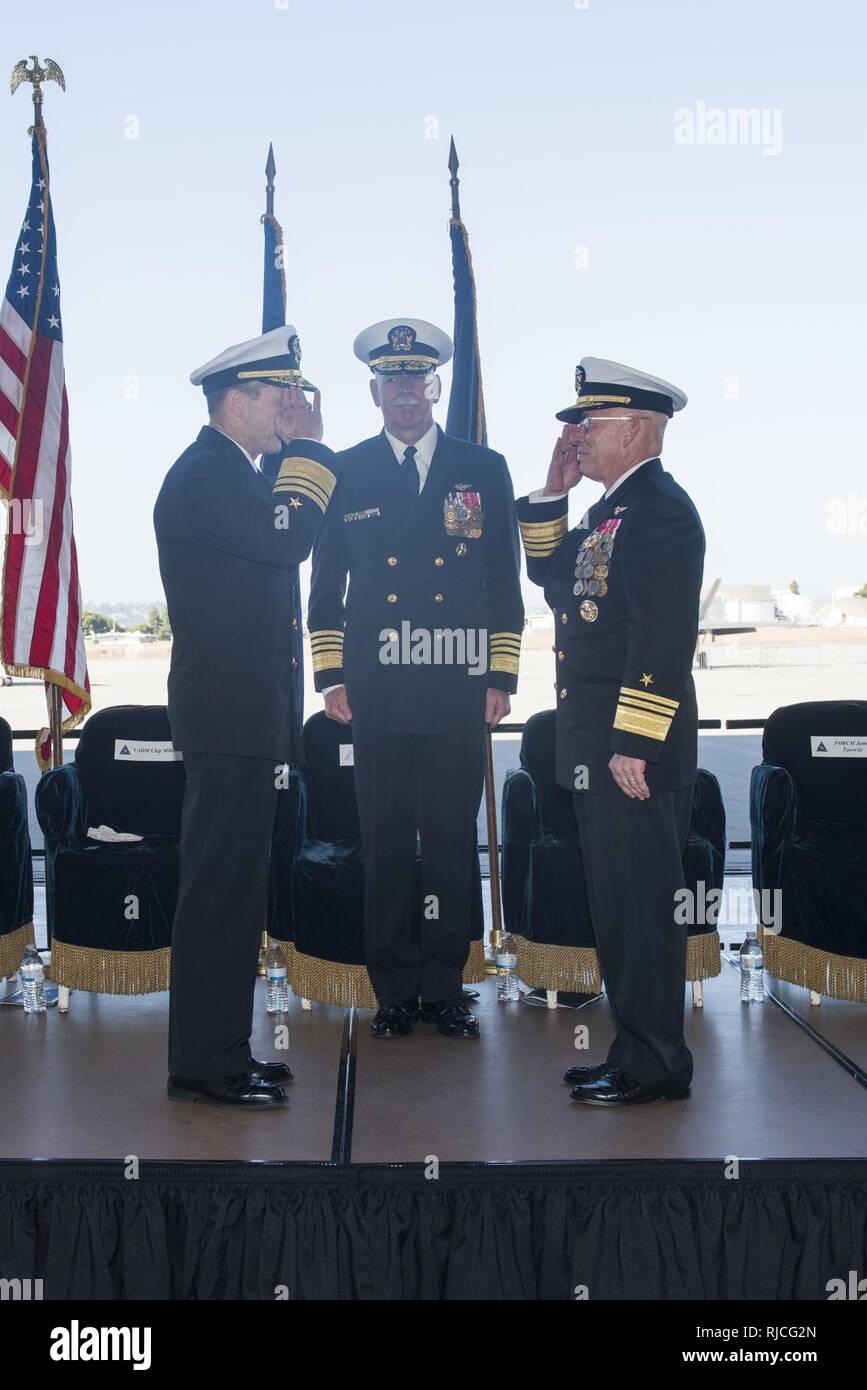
277 981
507 971
752 971
32 974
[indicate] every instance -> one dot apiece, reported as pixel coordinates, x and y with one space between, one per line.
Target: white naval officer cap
273 356
602 384
403 345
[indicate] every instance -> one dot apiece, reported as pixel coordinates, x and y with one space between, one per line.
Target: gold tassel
703 960
12 948
838 977
328 981
348 986
575 969
110 972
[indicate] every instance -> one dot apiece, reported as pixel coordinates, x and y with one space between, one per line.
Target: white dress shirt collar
424 452
628 474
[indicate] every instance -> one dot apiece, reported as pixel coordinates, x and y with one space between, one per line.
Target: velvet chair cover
808 811
316 905
111 906
544 894
16 866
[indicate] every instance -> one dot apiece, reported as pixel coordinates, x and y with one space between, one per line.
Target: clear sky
735 270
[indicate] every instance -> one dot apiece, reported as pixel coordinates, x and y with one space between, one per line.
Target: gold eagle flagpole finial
52 72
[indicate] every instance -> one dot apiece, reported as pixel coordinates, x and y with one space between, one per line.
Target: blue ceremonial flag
466 417
274 316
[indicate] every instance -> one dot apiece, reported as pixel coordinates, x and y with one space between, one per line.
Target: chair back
330 779
6 764
537 756
131 776
823 746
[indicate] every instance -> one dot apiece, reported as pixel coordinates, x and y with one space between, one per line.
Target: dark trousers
430 785
632 853
226 828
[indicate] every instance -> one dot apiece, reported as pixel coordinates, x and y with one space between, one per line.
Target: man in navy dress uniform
419 655
624 586
228 542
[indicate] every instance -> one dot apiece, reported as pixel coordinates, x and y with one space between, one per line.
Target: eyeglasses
584 425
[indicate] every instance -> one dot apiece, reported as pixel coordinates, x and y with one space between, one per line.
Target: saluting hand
565 470
299 419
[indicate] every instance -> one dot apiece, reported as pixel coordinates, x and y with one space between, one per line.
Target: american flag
41 611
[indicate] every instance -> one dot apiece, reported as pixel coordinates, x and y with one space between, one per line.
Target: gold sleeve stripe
543 532
508 664
649 696
326 662
545 528
325 632
312 472
505 639
301 490
648 725
290 484
663 713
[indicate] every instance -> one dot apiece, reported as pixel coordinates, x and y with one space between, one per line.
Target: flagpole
496 936
50 72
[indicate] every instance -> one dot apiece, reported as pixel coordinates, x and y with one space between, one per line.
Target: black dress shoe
617 1088
276 1072
566 999
452 1018
575 1076
394 1020
244 1091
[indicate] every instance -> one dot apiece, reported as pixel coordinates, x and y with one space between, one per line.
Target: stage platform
91 1085
438 1169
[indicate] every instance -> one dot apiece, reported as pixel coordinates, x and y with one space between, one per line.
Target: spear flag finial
270 171
454 181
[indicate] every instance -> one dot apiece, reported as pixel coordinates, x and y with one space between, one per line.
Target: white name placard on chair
133 750
838 746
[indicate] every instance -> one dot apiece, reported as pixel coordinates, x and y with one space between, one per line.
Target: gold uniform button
392 637
560 656
392 559
392 598
563 693
438 598
564 617
439 560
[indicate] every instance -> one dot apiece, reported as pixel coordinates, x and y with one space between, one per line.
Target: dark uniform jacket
447 560
625 594
228 540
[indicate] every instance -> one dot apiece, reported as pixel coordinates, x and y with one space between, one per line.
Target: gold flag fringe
348 986
838 977
110 972
12 948
575 969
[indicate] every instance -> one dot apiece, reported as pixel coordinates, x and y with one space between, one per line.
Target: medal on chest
592 566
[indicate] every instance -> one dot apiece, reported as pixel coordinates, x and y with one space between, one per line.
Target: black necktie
410 470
